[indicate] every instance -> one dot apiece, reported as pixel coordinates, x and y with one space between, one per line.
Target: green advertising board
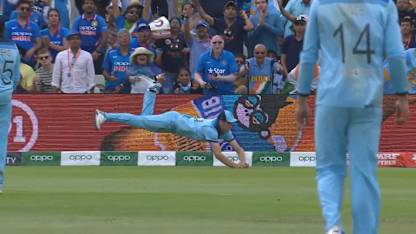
271 159
192 158
113 158
42 158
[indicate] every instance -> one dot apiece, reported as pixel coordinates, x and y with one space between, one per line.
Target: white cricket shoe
335 230
99 119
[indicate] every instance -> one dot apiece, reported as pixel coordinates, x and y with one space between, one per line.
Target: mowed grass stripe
182 200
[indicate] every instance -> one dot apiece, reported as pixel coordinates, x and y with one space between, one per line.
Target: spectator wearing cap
292 10
134 15
406 28
189 13
93 31
143 38
116 64
268 27
216 70
24 32
171 54
32 15
142 73
293 44
198 44
231 27
404 8
53 37
73 71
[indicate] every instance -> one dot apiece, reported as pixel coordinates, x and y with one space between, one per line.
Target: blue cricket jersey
56 39
25 36
224 65
9 66
353 37
117 65
90 30
200 129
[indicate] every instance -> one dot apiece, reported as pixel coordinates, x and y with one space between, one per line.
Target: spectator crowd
195 46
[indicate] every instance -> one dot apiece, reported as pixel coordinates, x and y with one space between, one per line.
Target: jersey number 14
365 34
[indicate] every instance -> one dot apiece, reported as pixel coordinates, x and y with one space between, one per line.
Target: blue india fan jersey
55 38
117 65
353 37
9 66
90 30
24 36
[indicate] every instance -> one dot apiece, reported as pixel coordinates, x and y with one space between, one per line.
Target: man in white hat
142 71
210 130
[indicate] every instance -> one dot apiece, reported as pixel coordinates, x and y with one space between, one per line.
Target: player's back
353 37
9 66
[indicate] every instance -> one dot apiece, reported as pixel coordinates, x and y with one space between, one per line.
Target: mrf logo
24 127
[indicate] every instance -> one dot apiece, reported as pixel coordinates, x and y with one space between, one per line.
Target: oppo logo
233 158
269 159
41 158
118 158
80 157
307 158
194 158
157 157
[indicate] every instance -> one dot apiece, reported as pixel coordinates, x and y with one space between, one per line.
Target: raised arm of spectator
202 13
248 25
187 32
146 14
115 9
285 12
275 26
37 45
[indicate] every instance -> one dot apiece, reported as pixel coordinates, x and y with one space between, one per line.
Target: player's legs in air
5 114
155 123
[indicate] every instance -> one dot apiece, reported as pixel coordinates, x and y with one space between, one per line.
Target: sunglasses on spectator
44 57
133 12
259 52
217 42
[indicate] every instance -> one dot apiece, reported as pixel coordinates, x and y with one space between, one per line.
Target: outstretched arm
216 149
241 154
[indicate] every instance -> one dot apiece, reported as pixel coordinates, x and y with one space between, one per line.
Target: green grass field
100 200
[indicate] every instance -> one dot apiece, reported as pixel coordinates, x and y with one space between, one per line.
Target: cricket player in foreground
211 130
9 79
353 37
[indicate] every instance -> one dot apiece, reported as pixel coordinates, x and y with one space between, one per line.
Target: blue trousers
356 131
165 122
5 115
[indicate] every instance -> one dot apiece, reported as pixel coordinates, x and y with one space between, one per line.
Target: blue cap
227 116
202 23
72 33
141 27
